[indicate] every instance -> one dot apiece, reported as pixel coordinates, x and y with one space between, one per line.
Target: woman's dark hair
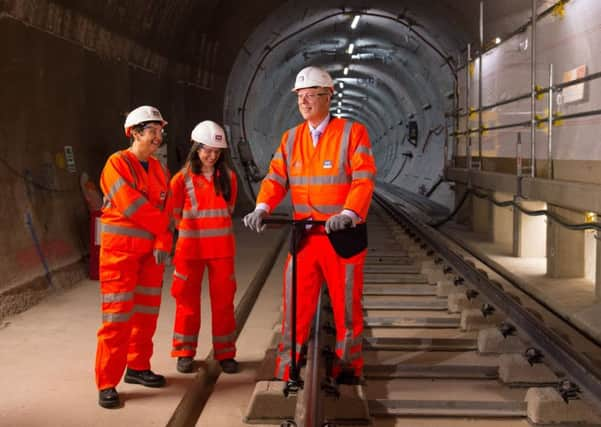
221 174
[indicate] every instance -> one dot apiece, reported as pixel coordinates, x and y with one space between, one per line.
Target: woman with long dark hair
204 195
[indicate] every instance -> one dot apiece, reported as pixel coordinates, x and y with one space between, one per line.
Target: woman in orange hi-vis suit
327 165
135 244
204 195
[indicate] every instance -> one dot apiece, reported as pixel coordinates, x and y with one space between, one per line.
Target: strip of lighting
355 22
345 71
341 84
351 48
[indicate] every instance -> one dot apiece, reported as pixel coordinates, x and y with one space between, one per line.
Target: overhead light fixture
340 95
351 48
355 22
341 84
339 104
345 71
497 40
338 111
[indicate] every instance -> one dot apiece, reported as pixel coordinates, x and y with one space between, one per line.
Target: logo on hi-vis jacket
163 195
327 164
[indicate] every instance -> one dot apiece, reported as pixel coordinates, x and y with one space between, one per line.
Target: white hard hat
210 134
142 114
313 77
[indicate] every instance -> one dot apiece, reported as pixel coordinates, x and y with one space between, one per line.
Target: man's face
150 138
314 103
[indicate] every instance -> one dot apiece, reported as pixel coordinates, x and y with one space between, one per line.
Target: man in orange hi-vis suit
204 196
328 165
135 244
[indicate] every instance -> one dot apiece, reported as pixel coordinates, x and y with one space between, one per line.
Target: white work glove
338 222
254 220
160 257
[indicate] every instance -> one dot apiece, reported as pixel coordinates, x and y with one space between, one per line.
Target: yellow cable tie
557 120
539 92
559 9
484 130
472 113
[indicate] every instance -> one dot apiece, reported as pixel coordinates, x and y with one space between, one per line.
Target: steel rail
554 347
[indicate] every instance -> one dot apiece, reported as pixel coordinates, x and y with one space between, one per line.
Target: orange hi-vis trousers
131 297
318 262
186 289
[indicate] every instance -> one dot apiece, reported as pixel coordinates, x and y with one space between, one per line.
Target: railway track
439 351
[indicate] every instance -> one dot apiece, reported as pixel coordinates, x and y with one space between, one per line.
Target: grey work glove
338 222
160 257
254 220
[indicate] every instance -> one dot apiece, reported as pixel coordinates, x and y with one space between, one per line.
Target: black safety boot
146 378
229 366
109 398
185 365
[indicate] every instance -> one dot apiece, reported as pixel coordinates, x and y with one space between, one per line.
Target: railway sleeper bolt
458 281
534 355
330 387
568 390
471 294
487 309
507 329
292 387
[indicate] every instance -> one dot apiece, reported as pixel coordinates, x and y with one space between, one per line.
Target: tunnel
480 117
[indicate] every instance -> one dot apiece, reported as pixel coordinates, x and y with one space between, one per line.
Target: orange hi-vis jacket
337 174
135 213
203 218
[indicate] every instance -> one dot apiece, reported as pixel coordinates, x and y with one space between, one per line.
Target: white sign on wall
573 93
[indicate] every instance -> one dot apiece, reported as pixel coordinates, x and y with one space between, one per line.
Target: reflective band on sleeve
133 207
179 275
362 149
319 180
225 338
211 232
206 213
148 290
275 177
184 347
146 309
115 187
117 297
277 156
115 317
363 174
185 338
127 231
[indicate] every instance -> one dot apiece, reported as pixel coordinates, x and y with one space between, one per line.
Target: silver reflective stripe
190 190
344 146
97 231
289 145
224 338
210 232
224 350
362 149
185 338
206 213
319 180
363 174
115 317
146 309
301 208
184 347
117 297
115 187
275 177
277 156
133 208
126 231
349 282
328 208
148 290
179 275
